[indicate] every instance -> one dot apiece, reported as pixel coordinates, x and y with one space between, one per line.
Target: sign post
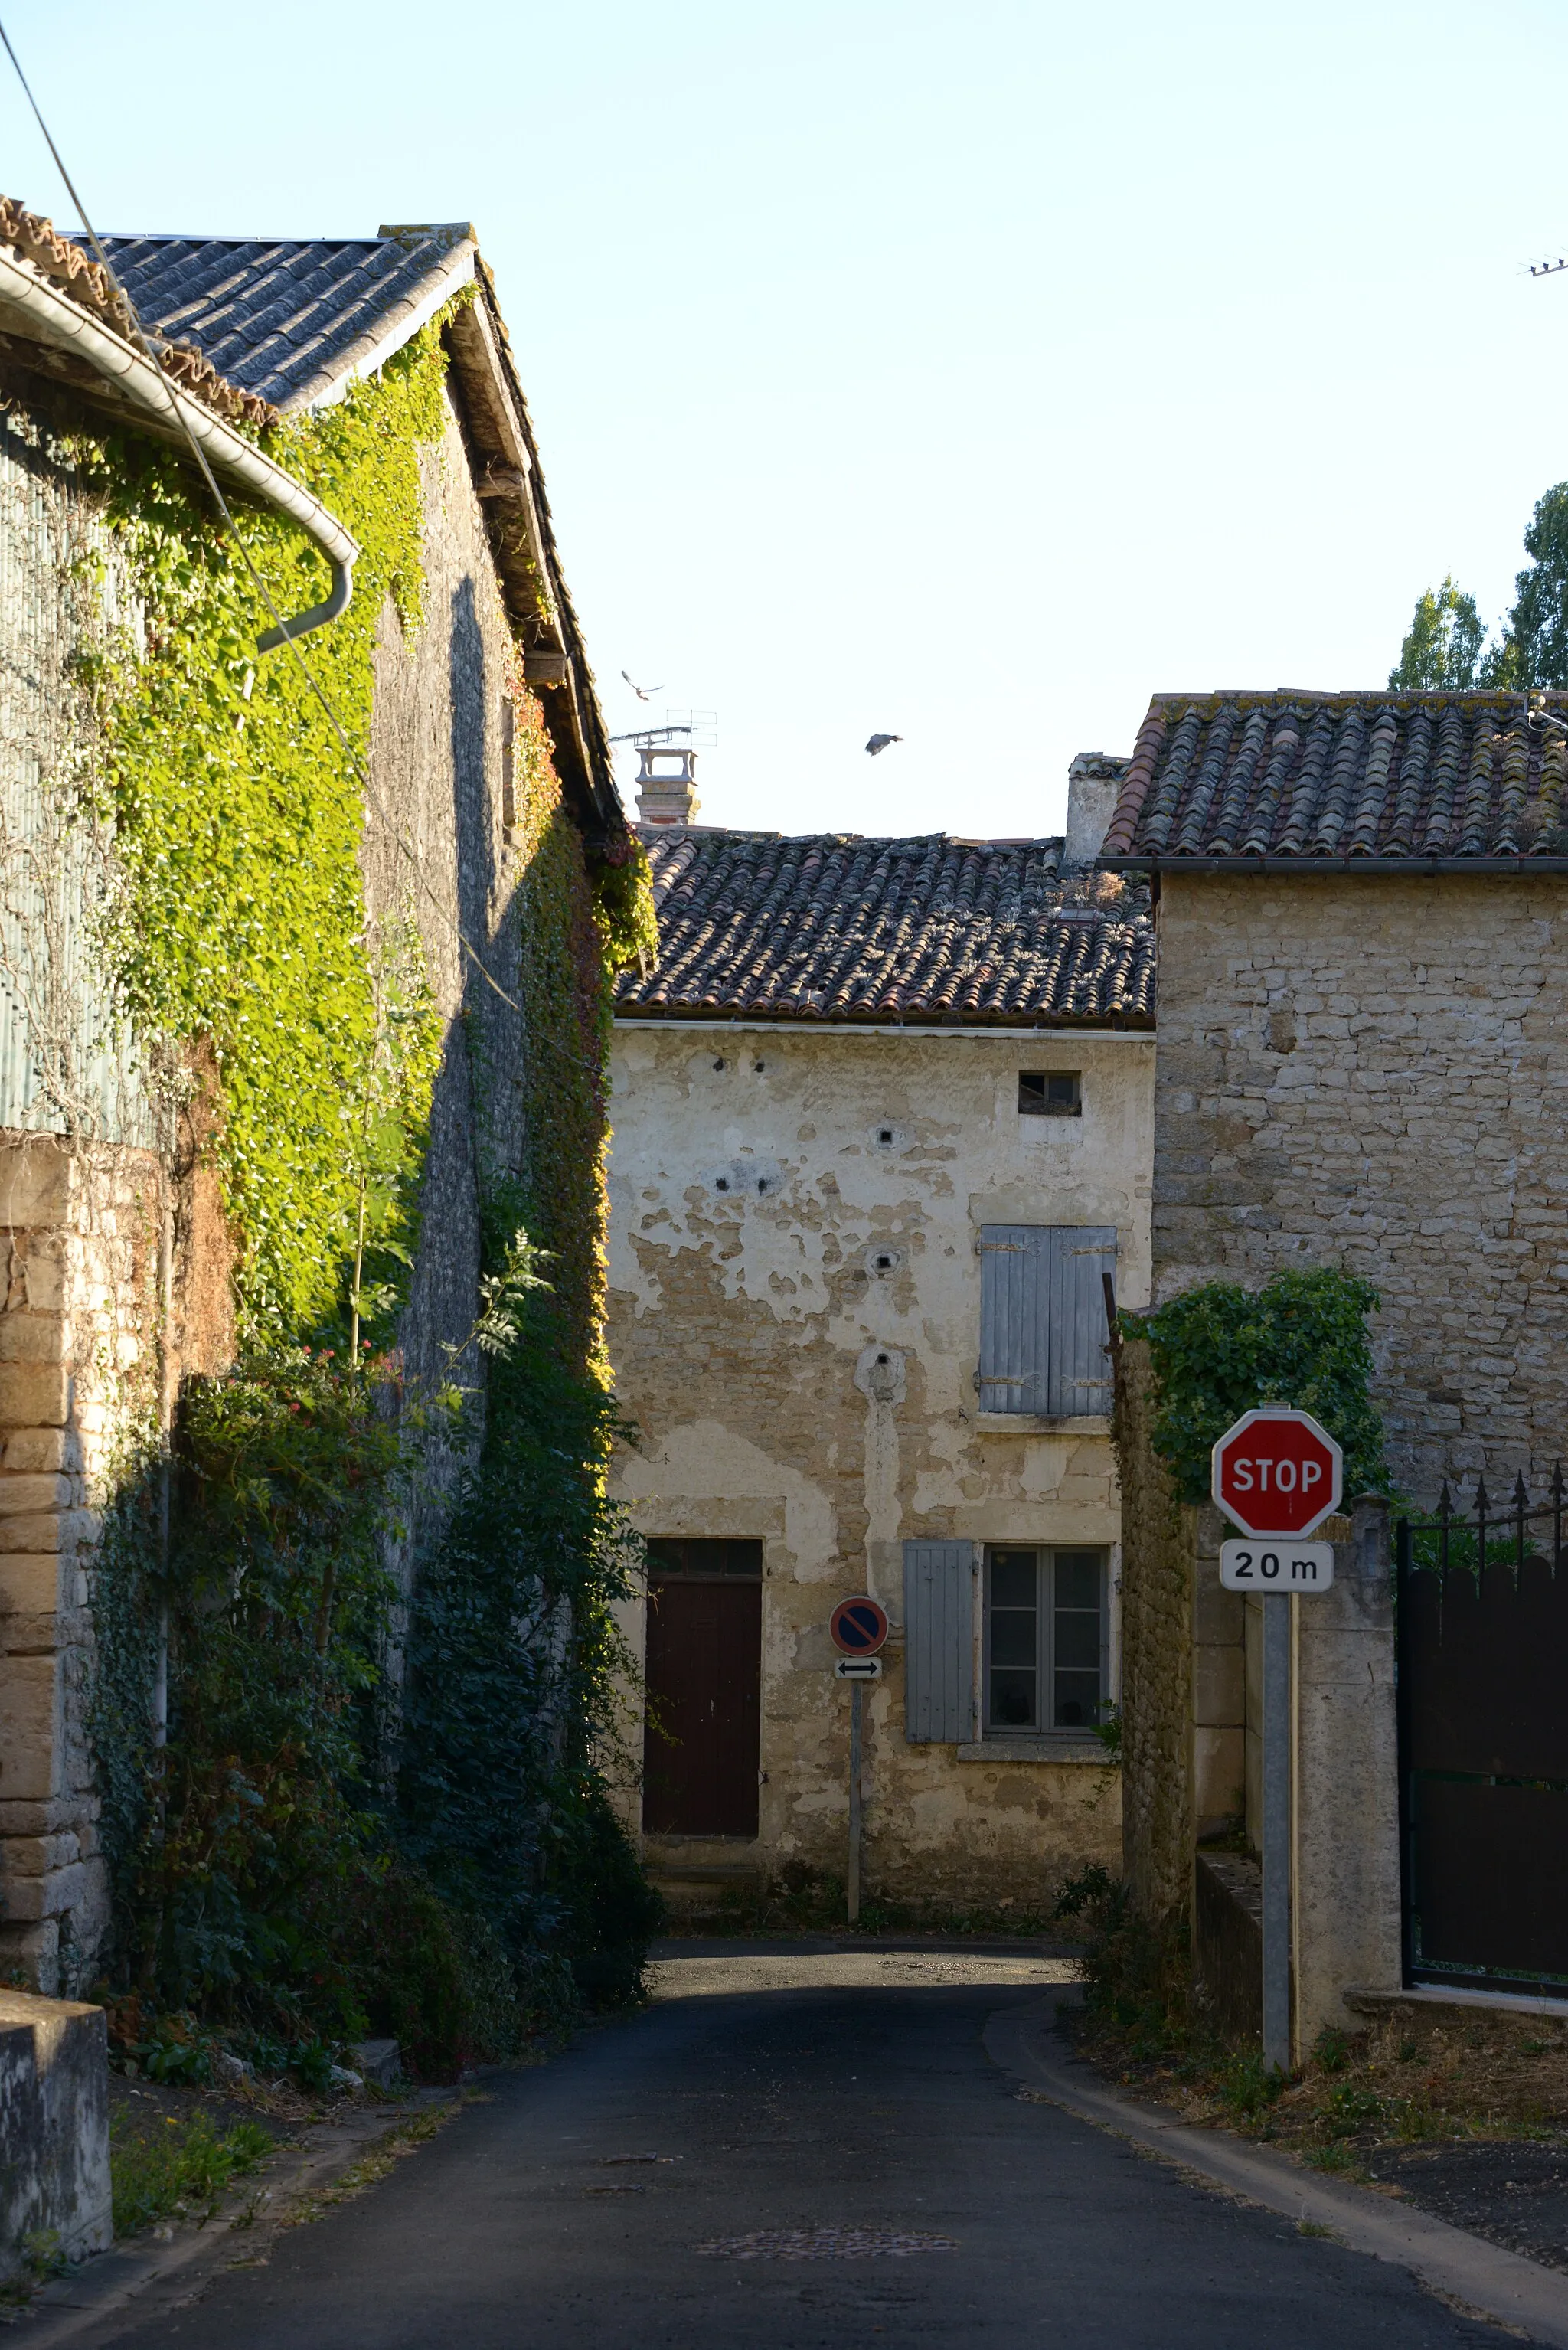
857 1628
1276 1474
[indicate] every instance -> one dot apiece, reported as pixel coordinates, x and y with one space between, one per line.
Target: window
1043 1318
1049 1093
1046 1640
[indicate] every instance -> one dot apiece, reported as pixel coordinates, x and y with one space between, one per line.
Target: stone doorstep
100 2297
1507 2002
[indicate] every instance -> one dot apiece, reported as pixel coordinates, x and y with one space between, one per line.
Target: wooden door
705 1677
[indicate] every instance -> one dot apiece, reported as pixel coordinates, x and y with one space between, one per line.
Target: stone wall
54 2129
1371 1071
79 1231
743 1331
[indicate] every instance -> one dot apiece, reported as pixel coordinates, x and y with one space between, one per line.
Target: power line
177 411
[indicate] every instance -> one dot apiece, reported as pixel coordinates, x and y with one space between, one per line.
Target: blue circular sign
858 1627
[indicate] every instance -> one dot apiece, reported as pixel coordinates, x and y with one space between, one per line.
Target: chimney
666 784
1093 783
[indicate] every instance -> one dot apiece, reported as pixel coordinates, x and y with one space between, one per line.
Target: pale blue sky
967 372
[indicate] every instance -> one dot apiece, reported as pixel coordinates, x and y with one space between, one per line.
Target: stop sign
1276 1471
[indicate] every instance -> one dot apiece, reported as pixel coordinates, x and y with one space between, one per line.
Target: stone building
1361 902
118 1250
881 1124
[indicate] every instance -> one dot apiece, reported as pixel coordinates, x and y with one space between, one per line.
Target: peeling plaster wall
756 1178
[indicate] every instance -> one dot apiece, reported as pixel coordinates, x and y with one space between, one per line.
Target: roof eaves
1415 863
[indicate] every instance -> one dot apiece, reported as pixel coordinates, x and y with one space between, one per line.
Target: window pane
1077 1641
1012 1633
1013 1578
1077 1700
1078 1578
1012 1700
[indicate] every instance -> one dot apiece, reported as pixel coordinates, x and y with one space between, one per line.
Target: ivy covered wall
404 1459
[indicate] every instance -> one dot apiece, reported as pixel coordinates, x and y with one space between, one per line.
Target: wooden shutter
1078 1377
1014 1293
1043 1318
939 1642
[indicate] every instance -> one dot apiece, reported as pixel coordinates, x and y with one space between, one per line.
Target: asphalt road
792 2127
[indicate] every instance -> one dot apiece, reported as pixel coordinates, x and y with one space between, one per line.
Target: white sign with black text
1276 1563
857 1668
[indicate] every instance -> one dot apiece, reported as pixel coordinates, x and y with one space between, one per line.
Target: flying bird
643 692
880 742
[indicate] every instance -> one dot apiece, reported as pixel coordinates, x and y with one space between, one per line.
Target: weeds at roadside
1414 2077
166 2168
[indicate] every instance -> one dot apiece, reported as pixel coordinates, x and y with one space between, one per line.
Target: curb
148 2277
1489 2282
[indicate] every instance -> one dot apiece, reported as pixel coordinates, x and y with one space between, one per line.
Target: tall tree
1445 644
1537 631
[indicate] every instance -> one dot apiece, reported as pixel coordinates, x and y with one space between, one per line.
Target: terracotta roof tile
828 926
1337 777
66 263
285 316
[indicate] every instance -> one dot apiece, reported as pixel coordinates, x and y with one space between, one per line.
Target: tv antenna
1549 268
700 728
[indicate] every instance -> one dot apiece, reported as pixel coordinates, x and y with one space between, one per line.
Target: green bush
1218 1350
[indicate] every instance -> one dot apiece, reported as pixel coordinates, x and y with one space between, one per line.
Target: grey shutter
1078 1374
1014 1291
1043 1318
939 1642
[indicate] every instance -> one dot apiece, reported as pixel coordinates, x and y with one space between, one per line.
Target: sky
968 373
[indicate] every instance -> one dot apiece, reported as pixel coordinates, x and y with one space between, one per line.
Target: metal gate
1482 1629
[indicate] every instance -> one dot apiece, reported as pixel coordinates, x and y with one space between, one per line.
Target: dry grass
1413 2077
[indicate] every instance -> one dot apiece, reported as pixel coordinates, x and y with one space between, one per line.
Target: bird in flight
880 742
643 692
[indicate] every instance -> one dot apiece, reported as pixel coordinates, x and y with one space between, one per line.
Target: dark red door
704 1670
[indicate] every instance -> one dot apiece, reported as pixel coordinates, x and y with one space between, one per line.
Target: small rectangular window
684 1555
1050 1093
1046 1640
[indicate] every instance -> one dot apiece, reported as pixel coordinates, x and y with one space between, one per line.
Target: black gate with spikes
1482 1628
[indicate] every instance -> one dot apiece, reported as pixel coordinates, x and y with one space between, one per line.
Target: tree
1537 631
1445 645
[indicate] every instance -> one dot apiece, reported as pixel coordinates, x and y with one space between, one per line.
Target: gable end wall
1373 1073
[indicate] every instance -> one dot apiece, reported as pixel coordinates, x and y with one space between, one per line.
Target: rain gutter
54 319
1337 866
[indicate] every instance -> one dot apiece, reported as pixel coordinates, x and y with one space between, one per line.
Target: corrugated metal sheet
67 1063
1043 1318
939 1642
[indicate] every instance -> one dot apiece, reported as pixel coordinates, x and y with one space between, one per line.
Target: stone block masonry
1372 1072
78 1361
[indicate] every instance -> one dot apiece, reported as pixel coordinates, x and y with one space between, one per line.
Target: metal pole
1277 1830
854 1801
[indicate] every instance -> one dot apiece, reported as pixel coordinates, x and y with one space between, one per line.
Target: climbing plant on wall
270 1875
1219 1349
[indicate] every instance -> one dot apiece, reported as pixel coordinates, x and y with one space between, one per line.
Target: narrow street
776 2118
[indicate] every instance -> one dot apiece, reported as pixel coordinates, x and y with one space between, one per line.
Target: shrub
1219 1349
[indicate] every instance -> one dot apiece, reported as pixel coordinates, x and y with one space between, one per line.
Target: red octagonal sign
1276 1471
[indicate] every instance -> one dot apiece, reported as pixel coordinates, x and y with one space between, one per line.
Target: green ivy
242 929
271 1878
1220 1350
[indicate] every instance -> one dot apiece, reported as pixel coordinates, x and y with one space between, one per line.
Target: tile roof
830 927
65 261
1369 779
288 318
